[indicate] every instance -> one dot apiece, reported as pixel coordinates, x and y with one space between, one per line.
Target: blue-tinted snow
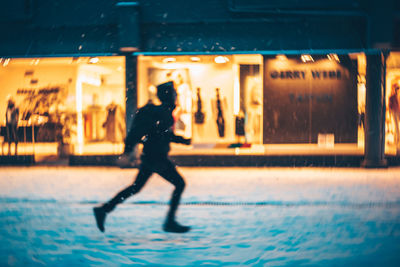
240 216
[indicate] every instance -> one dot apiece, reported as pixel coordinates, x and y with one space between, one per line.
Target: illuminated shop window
254 104
69 105
219 97
392 122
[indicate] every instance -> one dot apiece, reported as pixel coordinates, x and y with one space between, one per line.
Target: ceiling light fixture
333 57
6 62
195 59
221 59
93 60
307 58
281 57
169 59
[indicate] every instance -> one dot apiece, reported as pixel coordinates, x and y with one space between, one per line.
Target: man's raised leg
101 211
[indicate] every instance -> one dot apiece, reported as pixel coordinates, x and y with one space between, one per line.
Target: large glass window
309 98
220 97
392 144
254 104
65 105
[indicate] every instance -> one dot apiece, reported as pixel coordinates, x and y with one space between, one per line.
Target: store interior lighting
93 60
195 59
35 61
169 60
333 57
6 62
307 58
221 59
281 57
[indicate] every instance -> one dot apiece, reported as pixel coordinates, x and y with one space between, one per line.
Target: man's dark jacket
153 126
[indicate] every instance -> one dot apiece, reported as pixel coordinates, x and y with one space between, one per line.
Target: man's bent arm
179 139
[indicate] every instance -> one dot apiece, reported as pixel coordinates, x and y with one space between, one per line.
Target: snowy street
239 217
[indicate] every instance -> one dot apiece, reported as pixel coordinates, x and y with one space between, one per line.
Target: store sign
310 74
303 74
307 97
42 91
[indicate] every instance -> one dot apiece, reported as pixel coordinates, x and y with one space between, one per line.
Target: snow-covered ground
239 216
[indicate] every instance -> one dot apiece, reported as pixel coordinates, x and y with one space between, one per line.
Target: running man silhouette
152 126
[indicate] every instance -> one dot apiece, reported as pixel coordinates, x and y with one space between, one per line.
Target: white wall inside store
208 77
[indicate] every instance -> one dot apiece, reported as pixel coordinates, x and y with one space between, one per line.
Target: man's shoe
100 216
174 227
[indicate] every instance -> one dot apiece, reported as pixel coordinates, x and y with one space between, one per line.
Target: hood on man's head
166 93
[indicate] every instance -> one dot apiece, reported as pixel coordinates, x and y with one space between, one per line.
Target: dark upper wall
40 27
234 25
253 35
59 13
53 27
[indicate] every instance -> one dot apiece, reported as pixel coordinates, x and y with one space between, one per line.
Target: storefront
229 104
254 79
66 105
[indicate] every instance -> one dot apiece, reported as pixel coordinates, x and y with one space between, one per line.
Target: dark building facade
254 78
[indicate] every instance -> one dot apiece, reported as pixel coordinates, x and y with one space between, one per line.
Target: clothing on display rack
199 116
220 116
113 124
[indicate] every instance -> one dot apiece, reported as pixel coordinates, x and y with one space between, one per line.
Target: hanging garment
113 124
220 117
199 115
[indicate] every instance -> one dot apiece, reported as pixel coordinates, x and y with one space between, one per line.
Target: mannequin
113 125
394 109
12 117
254 110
